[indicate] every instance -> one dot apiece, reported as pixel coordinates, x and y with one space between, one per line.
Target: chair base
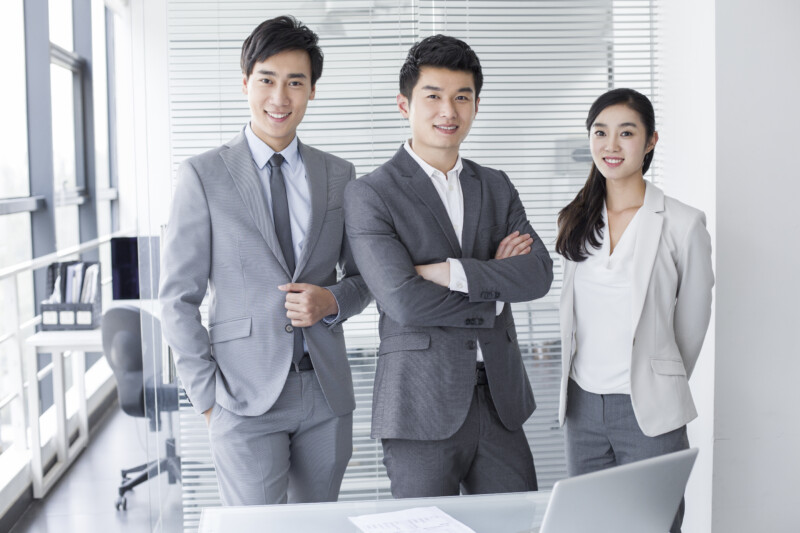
171 465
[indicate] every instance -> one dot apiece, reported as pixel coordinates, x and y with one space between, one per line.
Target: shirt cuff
332 319
500 305
458 278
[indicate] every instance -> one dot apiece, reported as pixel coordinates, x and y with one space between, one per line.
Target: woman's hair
581 221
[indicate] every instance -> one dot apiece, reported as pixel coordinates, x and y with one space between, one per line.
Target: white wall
686 124
757 431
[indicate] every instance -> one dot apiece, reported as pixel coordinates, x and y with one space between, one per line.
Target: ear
653 142
477 101
244 84
313 92
403 105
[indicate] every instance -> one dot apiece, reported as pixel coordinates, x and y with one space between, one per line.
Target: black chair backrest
122 345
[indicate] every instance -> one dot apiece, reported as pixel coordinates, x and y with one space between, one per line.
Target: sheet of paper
427 519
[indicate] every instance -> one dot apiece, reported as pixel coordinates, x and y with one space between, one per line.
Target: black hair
439 51
581 221
278 35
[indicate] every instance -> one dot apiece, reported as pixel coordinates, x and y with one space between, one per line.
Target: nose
613 143
279 96
447 109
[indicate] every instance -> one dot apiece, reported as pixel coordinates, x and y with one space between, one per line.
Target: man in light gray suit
444 244
258 221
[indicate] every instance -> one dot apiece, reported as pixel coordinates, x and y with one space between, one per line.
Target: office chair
139 388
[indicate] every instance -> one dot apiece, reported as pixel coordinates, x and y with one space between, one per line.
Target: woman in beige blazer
636 299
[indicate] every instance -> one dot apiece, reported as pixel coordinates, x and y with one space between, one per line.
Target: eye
626 133
433 96
265 80
295 83
462 98
599 133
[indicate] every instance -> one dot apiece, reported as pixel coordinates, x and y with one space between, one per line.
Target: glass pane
15 246
61 23
63 102
13 135
67 226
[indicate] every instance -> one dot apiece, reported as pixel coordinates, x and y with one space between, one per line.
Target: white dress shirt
603 301
449 189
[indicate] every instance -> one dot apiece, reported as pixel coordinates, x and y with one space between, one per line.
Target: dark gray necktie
283 228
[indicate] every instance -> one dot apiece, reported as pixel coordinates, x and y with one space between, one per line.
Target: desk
56 343
494 513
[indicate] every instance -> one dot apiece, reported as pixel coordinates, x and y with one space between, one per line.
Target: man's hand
438 273
513 245
307 304
207 414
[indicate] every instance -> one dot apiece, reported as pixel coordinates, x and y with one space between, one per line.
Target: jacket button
471 345
480 321
288 328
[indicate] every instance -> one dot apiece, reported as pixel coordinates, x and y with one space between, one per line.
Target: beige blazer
671 310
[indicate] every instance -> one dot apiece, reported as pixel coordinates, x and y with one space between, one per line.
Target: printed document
427 519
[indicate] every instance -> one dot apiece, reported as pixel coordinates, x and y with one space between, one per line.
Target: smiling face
278 92
441 110
618 141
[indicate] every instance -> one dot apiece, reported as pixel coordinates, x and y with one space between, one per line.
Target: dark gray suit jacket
426 369
221 236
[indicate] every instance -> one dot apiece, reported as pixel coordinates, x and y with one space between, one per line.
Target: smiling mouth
613 161
447 128
278 116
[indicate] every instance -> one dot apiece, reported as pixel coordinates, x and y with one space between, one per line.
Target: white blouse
603 294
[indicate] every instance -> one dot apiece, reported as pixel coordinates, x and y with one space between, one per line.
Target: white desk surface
74 339
497 513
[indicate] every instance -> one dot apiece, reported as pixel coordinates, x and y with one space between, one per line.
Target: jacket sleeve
386 265
513 279
185 267
693 301
351 292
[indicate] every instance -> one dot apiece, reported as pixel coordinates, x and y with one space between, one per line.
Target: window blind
544 64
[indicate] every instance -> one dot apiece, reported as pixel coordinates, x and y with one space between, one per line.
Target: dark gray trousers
602 432
296 452
482 457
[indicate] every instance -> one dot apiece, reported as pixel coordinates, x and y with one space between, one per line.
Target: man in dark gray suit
258 221
444 245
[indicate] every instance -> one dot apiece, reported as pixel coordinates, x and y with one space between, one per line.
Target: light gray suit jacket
221 236
426 369
672 281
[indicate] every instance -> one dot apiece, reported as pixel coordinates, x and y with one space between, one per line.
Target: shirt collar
262 153
429 170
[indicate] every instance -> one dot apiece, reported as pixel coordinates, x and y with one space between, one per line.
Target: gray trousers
482 457
602 432
296 452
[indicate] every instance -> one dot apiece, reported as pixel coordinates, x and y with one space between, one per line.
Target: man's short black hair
278 35
439 51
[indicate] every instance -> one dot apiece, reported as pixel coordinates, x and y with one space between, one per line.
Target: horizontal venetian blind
544 63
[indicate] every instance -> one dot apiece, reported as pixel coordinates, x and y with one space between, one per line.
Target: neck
442 160
625 194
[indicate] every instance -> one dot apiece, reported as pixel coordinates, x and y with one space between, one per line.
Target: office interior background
103 99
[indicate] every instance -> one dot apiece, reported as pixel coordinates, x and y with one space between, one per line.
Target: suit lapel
421 184
471 191
567 306
239 162
317 176
648 237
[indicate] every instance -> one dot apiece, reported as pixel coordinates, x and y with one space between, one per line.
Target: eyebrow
272 73
435 88
623 125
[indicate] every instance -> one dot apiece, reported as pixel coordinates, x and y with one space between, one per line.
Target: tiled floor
83 500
